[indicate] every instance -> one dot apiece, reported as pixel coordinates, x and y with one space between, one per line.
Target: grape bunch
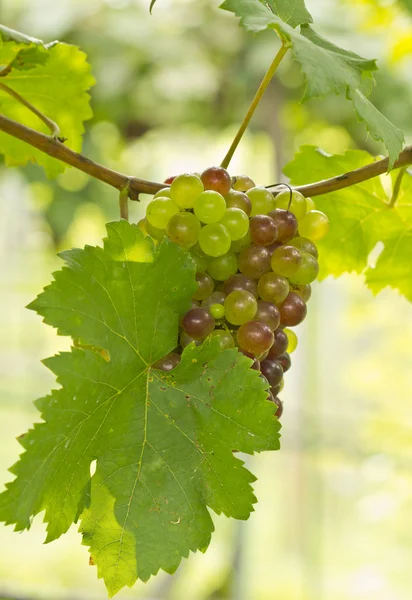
255 257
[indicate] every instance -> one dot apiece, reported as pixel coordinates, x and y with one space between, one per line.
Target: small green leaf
163 442
360 218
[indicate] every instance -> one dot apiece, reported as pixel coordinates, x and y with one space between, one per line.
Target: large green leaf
327 68
55 79
163 442
293 12
360 217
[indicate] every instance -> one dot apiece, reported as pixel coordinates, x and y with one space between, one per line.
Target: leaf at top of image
163 442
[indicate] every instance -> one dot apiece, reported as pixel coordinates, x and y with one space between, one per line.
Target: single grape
240 200
307 272
214 239
209 207
185 189
262 201
222 267
314 225
254 261
272 370
292 340
284 360
205 286
240 282
154 232
168 362
256 363
217 311
242 183
263 230
214 298
198 323
296 205
163 193
310 205
286 224
304 291
159 212
225 339
255 337
186 339
292 310
286 260
268 313
240 307
280 344
236 222
217 179
184 229
238 245
273 288
304 245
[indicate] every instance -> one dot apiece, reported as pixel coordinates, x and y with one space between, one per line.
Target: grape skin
205 286
255 337
214 239
198 323
235 199
168 362
292 310
240 307
263 230
254 261
240 282
217 179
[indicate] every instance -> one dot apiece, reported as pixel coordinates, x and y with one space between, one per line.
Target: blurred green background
334 518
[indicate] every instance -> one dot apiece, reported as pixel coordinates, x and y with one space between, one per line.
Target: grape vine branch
136 186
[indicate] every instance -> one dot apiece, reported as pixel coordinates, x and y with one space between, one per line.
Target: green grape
240 307
209 207
164 193
310 205
217 311
159 212
154 232
236 222
304 291
262 201
184 229
214 239
292 340
240 200
185 189
222 267
286 260
225 339
205 286
238 245
273 288
200 261
304 245
242 183
314 225
297 205
308 270
215 298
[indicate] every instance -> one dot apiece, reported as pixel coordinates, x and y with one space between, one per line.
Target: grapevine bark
137 186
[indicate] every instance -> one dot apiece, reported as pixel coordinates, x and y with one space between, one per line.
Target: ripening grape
304 291
286 260
307 272
310 205
168 362
154 232
217 311
225 339
184 229
254 261
214 298
255 337
286 224
292 310
268 313
214 239
294 202
284 360
159 212
217 179
235 199
314 225
163 193
263 230
198 323
240 307
262 201
236 222
222 267
292 340
205 286
241 282
272 370
244 242
209 207
185 189
273 287
280 344
242 183
304 245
